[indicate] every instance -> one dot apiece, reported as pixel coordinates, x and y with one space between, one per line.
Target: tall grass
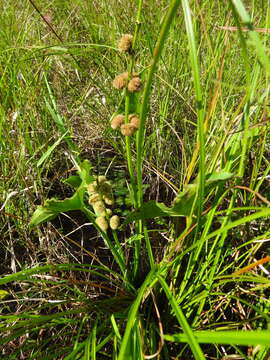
186 275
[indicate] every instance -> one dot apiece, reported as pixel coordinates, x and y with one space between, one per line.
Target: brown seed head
117 121
134 120
127 129
135 84
120 81
125 42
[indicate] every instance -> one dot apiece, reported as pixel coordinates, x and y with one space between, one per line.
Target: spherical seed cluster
134 120
126 129
100 195
117 121
125 43
114 222
134 84
120 81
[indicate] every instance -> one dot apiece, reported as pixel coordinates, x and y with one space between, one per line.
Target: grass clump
153 244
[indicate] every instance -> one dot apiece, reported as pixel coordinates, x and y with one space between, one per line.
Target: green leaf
225 337
3 294
74 181
53 207
182 204
50 150
84 172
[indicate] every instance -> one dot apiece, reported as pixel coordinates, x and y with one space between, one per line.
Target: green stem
147 90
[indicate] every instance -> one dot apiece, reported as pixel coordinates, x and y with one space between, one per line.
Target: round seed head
134 120
99 208
125 43
117 121
134 84
105 188
101 179
108 199
120 81
93 198
108 212
102 223
127 129
114 222
92 187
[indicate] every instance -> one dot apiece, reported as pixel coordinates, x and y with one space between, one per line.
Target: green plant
184 271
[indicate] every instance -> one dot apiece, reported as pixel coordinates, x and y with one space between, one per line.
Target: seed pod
99 208
101 179
134 120
105 188
117 121
102 223
92 187
108 199
108 212
120 81
114 222
125 43
127 129
134 84
93 198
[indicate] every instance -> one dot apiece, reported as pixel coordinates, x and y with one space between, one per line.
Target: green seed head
93 198
108 199
114 222
92 187
102 223
99 208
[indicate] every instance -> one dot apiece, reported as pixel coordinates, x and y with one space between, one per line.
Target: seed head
105 188
93 198
108 199
101 179
134 120
135 84
102 223
108 212
120 81
114 222
99 208
92 187
125 43
127 129
117 121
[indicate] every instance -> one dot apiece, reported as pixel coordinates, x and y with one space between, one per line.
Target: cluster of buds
128 129
100 195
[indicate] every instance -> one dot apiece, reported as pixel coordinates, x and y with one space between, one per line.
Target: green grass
191 187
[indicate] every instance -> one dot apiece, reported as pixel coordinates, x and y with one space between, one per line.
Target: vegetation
135 180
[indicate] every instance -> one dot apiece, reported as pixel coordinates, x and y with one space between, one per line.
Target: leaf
3 294
182 204
53 207
50 150
74 181
84 172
